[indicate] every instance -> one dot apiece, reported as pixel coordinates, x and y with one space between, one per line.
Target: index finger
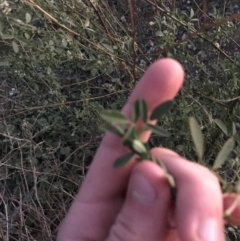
161 82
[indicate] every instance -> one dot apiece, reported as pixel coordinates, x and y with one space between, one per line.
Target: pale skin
134 203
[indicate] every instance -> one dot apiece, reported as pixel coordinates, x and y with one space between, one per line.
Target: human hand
134 202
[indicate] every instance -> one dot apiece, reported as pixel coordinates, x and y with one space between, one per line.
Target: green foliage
161 110
158 130
197 138
140 111
118 124
224 153
114 116
63 62
121 161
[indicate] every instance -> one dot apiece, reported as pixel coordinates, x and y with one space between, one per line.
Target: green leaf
119 131
222 126
224 153
65 150
197 137
91 64
191 13
87 23
15 47
108 47
27 36
129 136
123 160
139 147
114 116
169 177
28 17
135 111
158 130
140 110
143 110
234 130
64 42
160 110
159 33
6 36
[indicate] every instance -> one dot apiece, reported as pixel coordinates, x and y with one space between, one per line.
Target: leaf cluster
130 132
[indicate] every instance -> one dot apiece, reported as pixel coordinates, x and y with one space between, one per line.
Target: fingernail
141 189
209 231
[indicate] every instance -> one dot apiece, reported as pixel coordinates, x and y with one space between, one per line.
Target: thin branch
202 107
132 9
222 101
96 9
64 103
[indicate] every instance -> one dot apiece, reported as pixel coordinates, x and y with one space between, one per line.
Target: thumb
145 211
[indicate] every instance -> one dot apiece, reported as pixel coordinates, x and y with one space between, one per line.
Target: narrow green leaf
114 116
64 42
87 23
139 147
191 13
135 111
119 131
15 47
222 126
224 153
234 130
108 47
91 64
143 110
160 110
28 17
123 160
129 136
6 36
197 137
167 174
140 110
158 130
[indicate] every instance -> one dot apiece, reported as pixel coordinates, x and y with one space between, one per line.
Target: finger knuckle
122 231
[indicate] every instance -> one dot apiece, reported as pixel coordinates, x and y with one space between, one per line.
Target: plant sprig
130 132
120 125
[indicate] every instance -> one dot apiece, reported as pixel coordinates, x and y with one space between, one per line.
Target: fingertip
161 82
169 66
166 76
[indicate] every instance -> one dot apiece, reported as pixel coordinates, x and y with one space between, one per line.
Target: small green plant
129 131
